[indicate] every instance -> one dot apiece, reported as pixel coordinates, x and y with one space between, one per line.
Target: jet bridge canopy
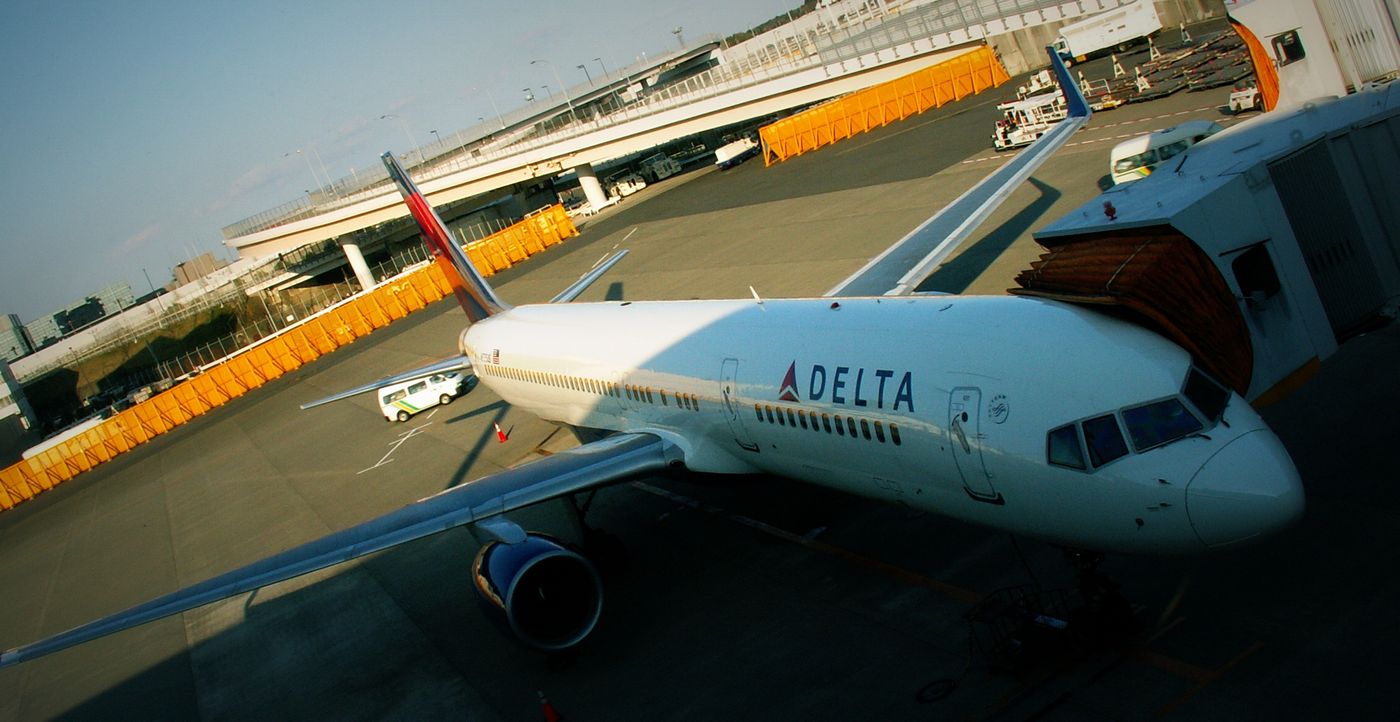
1154 276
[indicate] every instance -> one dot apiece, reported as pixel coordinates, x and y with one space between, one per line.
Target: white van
1137 157
402 400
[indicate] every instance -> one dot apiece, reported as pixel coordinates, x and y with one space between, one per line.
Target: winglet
1075 102
477 298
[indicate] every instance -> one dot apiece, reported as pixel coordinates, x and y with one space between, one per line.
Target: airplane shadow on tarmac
959 273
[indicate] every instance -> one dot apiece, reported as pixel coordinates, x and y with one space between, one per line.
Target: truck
1025 120
1115 30
657 167
623 183
735 152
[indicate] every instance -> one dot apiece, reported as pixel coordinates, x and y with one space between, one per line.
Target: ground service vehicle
658 167
402 400
1115 30
1245 96
735 152
1025 120
1137 157
623 183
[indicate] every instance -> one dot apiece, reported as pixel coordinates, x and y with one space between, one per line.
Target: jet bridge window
1105 440
1159 423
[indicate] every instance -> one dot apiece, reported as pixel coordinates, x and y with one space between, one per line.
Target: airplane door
729 389
965 437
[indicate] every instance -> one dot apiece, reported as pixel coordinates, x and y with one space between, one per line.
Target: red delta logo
788 391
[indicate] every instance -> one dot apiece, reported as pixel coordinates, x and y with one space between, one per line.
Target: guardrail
273 357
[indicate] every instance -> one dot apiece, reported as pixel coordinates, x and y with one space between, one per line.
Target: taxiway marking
394 445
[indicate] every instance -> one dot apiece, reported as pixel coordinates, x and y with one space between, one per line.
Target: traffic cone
550 714
500 435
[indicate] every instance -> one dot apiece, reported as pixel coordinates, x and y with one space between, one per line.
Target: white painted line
394 446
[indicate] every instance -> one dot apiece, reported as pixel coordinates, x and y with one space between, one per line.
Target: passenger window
1062 447
840 429
758 410
769 411
418 387
826 423
781 421
851 426
894 434
1159 423
879 432
802 418
792 420
865 429
1105 440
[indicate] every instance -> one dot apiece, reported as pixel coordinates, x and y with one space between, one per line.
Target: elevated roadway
871 51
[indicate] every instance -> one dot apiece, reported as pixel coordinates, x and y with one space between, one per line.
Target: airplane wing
614 459
588 278
452 363
904 265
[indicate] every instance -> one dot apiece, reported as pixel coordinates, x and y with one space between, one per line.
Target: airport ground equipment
1099 34
658 167
1022 121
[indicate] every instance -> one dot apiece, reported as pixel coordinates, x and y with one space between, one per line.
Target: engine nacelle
549 595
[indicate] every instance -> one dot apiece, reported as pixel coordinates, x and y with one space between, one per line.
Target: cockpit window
1159 422
1207 396
1105 439
1062 447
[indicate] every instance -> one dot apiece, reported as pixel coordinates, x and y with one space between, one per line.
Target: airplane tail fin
477 297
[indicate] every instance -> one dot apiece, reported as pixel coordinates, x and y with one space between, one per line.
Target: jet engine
549 595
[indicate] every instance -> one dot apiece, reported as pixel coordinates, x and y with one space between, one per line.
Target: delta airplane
1029 416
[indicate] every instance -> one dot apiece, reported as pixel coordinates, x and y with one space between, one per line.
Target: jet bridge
1258 250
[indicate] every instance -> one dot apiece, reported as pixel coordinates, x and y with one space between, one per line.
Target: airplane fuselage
941 403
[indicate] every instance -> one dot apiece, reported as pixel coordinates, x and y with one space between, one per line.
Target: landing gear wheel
445 399
402 416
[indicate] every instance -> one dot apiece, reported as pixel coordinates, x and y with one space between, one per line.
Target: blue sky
132 132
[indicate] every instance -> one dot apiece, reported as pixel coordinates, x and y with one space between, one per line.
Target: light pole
310 168
324 174
584 68
404 128
679 38
529 96
494 107
563 89
436 137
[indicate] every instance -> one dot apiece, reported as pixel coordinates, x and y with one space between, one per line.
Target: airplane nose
1247 489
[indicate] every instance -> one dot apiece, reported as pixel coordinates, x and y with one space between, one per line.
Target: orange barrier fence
272 357
882 104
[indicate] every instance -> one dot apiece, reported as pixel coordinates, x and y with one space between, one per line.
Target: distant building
16 418
114 298
43 330
14 339
196 268
75 317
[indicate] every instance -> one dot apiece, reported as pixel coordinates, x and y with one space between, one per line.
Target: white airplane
1034 417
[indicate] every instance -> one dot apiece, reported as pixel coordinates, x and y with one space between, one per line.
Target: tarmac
747 598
